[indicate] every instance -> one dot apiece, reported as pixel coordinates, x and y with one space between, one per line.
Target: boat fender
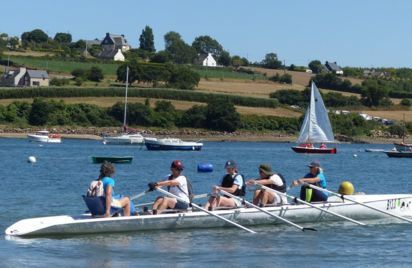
346 188
204 167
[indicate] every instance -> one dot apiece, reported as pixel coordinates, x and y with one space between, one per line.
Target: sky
356 33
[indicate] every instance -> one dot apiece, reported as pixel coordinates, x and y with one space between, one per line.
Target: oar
204 210
138 195
357 202
198 196
268 213
311 205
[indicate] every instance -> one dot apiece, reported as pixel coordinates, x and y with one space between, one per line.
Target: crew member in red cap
177 185
315 177
233 183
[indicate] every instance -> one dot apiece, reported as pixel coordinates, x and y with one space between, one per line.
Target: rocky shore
97 133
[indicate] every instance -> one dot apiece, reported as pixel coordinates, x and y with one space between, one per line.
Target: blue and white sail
316 127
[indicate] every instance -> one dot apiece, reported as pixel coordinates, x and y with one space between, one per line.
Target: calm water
53 186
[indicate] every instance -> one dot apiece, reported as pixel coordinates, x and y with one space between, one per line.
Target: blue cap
230 164
314 164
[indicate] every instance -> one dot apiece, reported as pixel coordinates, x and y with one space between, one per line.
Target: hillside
212 81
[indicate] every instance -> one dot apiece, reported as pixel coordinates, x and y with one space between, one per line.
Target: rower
272 180
315 177
233 183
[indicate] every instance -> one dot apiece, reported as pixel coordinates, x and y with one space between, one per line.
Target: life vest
278 188
228 180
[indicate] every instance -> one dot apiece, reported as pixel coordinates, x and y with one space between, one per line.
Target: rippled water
53 186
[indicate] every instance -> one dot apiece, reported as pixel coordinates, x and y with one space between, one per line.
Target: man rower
177 184
233 183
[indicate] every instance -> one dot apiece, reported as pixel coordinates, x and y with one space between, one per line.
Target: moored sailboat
316 127
126 137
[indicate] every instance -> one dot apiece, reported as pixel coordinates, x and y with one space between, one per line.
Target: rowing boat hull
85 224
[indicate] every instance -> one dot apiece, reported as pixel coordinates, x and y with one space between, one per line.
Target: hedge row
156 93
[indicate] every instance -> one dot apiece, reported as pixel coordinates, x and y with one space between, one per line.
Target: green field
227 73
67 66
61 66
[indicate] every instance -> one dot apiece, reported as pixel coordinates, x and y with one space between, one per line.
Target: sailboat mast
404 129
312 97
125 97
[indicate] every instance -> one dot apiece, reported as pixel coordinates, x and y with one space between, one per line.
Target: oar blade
309 229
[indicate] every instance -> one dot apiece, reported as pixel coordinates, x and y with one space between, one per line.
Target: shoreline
190 134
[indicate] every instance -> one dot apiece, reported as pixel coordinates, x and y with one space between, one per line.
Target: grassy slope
60 66
217 80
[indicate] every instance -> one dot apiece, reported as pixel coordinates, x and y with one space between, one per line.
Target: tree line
374 92
176 49
216 115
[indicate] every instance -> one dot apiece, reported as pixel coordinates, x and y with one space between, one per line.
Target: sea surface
54 185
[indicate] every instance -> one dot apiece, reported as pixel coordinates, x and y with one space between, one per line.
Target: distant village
112 47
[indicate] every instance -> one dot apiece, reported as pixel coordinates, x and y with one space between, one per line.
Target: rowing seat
171 211
97 205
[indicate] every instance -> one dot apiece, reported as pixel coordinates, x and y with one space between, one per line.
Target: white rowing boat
396 204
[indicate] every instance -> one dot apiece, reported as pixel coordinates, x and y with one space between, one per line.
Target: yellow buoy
346 188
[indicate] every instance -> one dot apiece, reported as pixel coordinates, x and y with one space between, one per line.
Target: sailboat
126 137
402 146
316 127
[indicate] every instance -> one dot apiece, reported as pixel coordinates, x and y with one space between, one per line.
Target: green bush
155 93
59 82
406 102
222 115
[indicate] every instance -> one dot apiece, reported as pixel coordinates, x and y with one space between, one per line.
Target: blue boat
154 144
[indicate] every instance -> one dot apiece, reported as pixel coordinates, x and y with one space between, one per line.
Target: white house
115 55
333 67
206 60
113 46
115 41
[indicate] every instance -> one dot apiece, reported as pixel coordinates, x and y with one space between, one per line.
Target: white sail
316 127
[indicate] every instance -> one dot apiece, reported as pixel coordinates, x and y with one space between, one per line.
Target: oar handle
313 206
267 212
204 210
357 202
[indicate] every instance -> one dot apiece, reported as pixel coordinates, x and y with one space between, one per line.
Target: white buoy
355 155
31 159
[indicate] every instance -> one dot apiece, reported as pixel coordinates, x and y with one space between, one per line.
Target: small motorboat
399 154
400 147
112 159
172 144
44 136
